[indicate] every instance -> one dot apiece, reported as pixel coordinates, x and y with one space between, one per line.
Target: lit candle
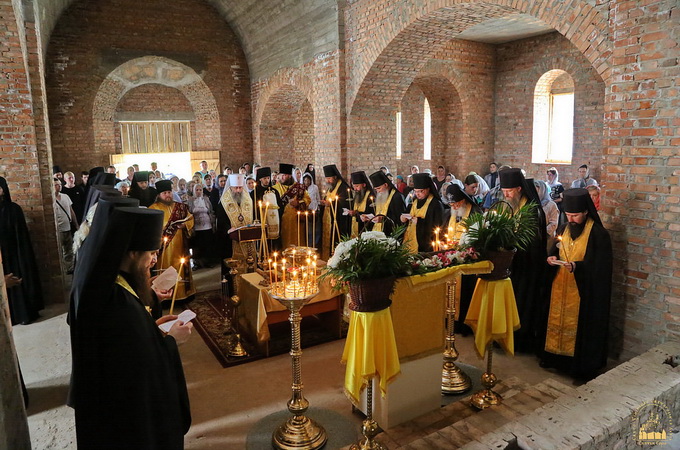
270 270
307 229
259 206
566 255
179 276
314 228
298 230
283 271
276 274
165 244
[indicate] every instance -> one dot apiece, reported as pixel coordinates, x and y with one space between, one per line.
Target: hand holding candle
179 277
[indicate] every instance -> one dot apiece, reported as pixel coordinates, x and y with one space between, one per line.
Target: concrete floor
226 404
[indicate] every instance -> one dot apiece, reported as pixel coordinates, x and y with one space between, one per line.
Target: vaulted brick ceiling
265 28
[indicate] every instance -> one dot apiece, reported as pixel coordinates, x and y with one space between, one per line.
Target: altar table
258 309
418 315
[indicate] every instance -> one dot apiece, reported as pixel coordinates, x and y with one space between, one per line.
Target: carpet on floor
210 322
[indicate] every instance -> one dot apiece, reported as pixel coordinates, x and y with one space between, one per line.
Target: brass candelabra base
487 397
454 380
237 349
369 427
299 431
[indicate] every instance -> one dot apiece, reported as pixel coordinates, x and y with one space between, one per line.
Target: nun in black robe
128 388
25 299
146 196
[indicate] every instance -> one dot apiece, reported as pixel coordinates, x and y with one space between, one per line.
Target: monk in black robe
426 214
25 299
141 191
389 204
529 277
334 202
581 273
128 386
461 205
361 202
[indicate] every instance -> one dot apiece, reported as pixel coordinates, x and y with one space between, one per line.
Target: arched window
427 131
398 132
553 132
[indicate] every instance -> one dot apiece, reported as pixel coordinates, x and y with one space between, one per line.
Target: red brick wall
25 161
282 95
88 43
520 64
642 171
458 83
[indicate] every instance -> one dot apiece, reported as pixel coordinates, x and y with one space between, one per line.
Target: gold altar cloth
256 303
418 307
493 315
370 351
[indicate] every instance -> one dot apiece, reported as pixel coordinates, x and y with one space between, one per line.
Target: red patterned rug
210 324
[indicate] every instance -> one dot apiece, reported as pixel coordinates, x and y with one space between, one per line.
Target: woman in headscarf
552 213
555 186
25 298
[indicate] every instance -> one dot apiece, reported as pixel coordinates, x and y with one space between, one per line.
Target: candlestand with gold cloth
493 317
417 314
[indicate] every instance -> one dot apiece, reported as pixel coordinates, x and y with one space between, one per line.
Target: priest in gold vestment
235 209
578 317
178 223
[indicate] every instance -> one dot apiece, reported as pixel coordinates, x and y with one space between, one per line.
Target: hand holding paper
186 316
166 280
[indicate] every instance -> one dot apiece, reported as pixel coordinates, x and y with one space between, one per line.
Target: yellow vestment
176 249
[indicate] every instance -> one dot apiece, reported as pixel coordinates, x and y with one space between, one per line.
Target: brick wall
520 65
280 111
458 83
90 43
25 161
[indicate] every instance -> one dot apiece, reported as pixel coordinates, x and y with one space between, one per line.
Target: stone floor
227 404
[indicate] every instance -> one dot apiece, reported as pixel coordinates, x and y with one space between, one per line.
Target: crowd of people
115 249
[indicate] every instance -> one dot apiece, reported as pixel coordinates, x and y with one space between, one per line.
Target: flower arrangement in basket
499 233
369 265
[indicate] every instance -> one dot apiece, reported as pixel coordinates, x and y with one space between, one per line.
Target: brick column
26 161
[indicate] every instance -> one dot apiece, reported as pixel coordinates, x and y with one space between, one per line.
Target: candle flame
182 260
165 239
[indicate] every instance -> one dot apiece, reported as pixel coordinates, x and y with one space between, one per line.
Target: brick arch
286 128
155 70
417 33
285 106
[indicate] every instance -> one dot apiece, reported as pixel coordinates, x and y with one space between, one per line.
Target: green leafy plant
370 256
501 228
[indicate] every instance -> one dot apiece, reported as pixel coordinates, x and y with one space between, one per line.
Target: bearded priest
389 203
426 214
178 223
235 210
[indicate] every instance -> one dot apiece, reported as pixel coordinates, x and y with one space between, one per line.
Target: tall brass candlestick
454 380
299 431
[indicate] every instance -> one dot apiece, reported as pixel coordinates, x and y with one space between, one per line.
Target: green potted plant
368 265
499 233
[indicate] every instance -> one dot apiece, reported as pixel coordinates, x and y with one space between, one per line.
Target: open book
181 220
